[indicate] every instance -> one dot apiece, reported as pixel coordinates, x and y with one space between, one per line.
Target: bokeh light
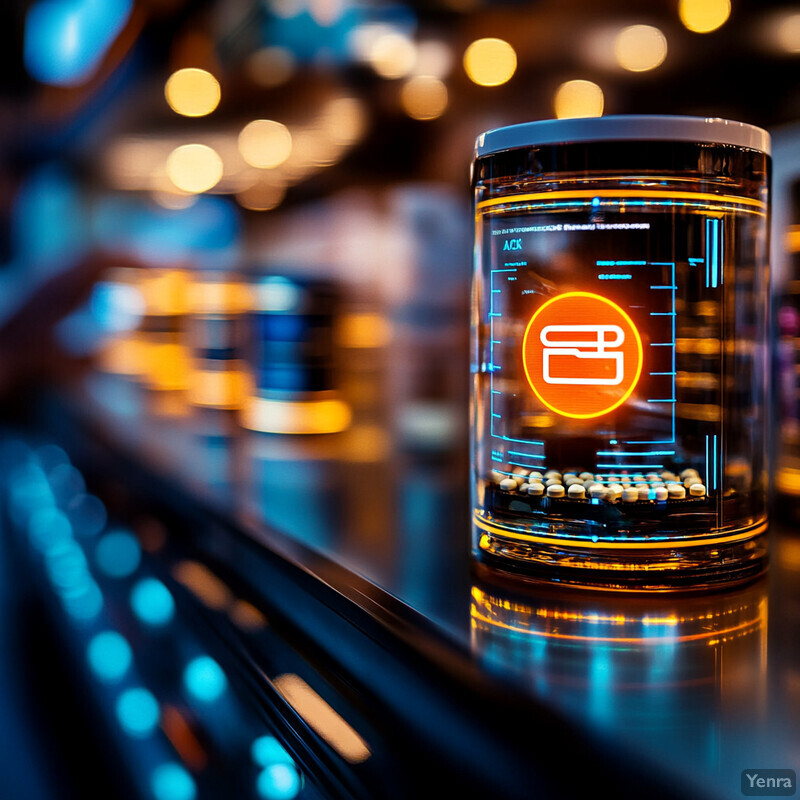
490 62
434 57
788 33
639 48
204 679
704 16
118 554
424 97
267 750
278 782
65 42
152 602
172 782
192 92
392 55
194 168
265 144
109 655
138 712
578 98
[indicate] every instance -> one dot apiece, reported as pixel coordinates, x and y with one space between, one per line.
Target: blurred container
293 358
217 335
620 314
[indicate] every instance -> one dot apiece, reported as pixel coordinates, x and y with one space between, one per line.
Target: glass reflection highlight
668 674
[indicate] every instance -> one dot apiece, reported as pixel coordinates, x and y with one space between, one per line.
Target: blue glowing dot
595 201
49 528
595 538
66 565
109 655
138 712
204 679
278 782
83 602
172 782
87 515
267 750
152 602
118 554
613 441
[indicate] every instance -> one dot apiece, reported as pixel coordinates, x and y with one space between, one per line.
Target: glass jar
620 350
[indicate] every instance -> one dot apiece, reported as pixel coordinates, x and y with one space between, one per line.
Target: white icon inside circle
596 348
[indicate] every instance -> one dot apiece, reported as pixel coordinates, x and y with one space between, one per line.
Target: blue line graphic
715 460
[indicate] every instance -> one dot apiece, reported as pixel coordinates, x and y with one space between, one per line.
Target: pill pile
609 487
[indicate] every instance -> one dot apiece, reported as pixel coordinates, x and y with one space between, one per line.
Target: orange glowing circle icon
582 355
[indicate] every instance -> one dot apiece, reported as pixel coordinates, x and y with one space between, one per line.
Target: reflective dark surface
705 685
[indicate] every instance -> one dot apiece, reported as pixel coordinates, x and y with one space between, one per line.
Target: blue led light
267 750
172 782
278 782
204 679
65 40
138 712
152 602
118 554
109 655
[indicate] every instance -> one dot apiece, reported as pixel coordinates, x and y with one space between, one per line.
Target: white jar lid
665 128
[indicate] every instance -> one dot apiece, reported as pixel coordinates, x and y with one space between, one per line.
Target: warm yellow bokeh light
194 168
639 48
343 120
265 143
192 92
578 99
704 16
424 97
788 33
490 62
392 55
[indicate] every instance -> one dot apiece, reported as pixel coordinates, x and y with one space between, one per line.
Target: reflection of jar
619 361
673 675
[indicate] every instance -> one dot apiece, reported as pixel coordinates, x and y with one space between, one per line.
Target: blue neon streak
715 460
714 253
646 453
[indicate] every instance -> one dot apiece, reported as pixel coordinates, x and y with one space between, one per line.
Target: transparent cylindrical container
620 350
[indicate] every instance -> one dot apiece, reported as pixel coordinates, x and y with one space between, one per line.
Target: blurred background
237 227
